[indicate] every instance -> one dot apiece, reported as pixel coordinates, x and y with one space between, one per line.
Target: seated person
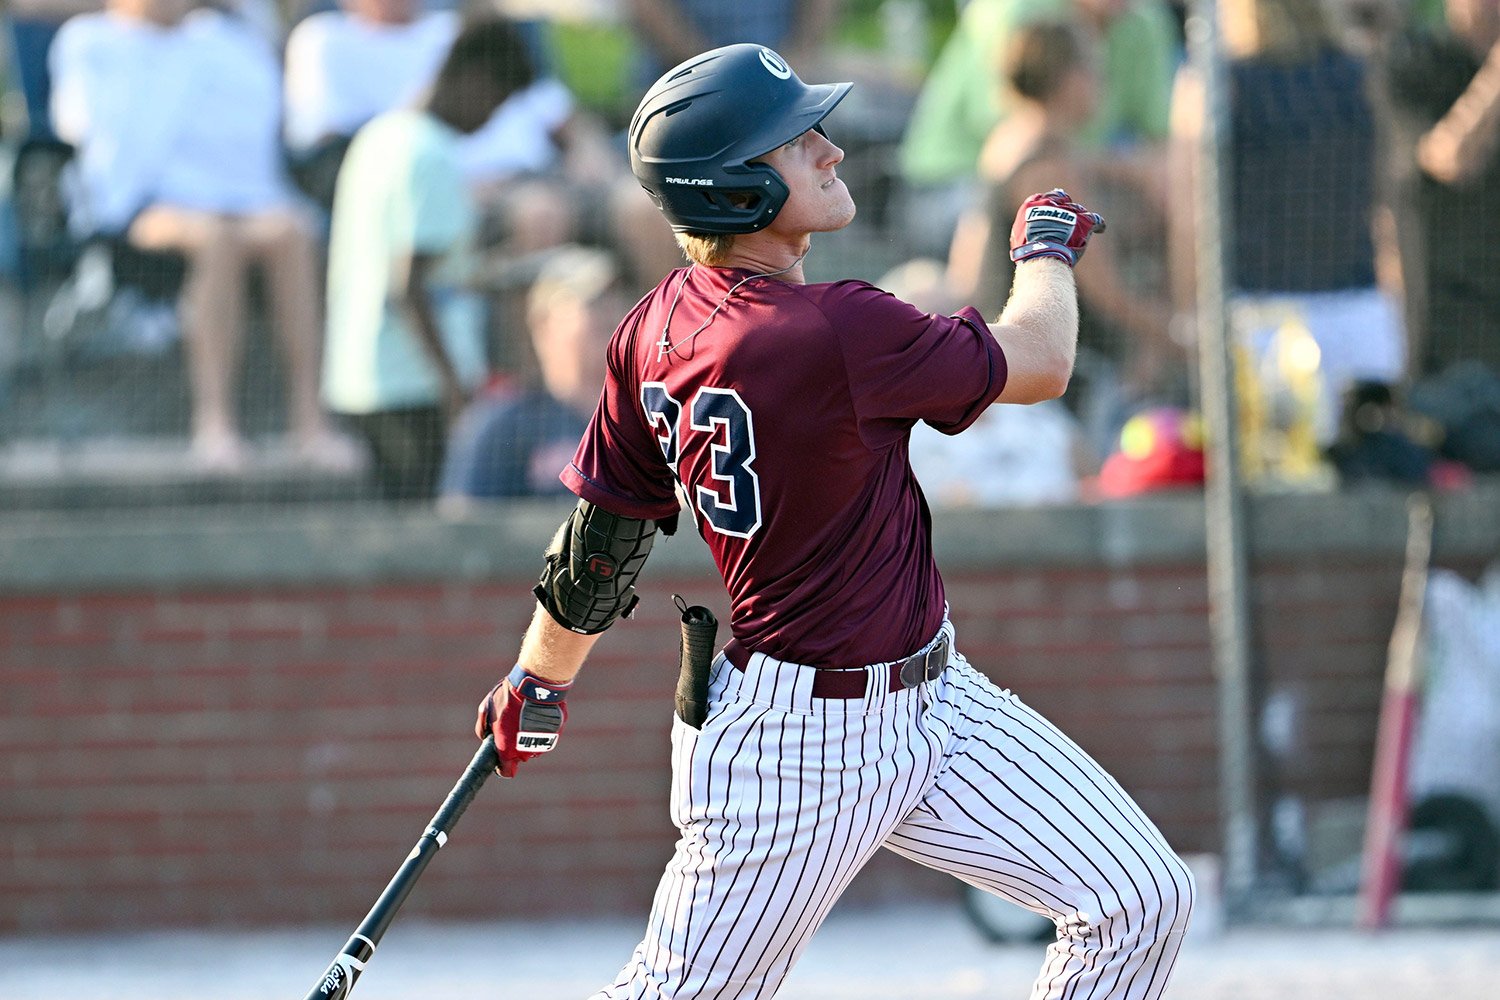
1050 69
546 173
344 67
175 113
517 444
960 104
1010 456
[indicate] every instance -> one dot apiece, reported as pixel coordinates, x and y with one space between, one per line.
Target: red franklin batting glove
526 714
1052 225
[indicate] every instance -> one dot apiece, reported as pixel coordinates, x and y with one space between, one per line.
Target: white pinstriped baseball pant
782 798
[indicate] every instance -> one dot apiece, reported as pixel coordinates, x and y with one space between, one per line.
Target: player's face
819 202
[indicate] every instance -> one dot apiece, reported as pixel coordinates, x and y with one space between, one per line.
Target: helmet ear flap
734 205
743 200
744 208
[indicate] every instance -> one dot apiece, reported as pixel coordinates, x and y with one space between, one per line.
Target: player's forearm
552 652
585 588
1038 330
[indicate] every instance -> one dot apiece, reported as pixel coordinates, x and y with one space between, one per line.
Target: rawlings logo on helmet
691 181
775 65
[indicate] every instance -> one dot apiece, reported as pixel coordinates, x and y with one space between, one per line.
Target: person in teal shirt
406 335
963 99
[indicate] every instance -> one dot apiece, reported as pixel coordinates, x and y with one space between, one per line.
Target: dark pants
407 447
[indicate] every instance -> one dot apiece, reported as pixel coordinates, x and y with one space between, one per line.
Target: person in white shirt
175 113
542 170
344 67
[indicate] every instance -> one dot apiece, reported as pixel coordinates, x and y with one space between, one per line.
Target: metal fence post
1228 574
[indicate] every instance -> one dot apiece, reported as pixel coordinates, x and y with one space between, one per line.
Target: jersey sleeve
906 365
619 464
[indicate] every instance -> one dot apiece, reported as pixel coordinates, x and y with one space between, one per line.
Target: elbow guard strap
592 564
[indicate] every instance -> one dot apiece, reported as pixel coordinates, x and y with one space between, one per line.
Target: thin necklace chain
664 346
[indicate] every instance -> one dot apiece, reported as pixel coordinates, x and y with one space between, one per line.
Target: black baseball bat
338 981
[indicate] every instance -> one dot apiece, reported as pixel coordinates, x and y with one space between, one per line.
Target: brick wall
268 753
248 715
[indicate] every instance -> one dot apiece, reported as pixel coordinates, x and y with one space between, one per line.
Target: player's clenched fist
1052 225
526 714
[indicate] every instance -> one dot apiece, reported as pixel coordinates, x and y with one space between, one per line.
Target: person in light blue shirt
405 340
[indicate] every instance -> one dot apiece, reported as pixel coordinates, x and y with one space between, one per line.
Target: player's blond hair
708 249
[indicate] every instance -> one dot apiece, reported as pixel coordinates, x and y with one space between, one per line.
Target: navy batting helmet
698 127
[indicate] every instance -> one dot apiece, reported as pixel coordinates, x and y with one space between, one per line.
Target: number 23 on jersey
731 505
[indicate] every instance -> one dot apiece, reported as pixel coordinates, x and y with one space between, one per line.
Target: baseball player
841 716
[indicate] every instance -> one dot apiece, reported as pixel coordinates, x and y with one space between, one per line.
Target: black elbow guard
592 564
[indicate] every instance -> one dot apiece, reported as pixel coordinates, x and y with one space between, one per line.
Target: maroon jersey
784 422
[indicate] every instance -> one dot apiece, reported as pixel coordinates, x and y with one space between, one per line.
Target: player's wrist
1052 225
1043 250
534 687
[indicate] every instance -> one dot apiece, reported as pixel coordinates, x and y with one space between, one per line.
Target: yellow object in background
1280 397
1293 369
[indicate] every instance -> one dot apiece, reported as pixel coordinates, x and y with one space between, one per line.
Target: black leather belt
831 682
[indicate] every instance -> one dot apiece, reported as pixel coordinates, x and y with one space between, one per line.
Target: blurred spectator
175 114
1011 455
1463 400
544 171
264 17
1159 449
671 31
33 24
1301 186
1373 444
511 444
406 342
1444 88
1050 70
548 173
961 103
344 67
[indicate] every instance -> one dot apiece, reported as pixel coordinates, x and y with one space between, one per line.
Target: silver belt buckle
920 667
